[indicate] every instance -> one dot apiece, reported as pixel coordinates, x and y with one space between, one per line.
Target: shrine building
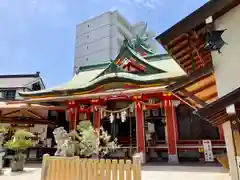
131 97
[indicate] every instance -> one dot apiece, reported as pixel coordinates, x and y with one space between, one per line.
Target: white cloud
151 4
53 7
144 3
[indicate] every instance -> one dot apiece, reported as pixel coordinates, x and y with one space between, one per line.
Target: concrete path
184 173
150 172
31 172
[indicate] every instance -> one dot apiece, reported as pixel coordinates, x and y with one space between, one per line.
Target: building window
87 36
87 47
88 25
9 94
87 59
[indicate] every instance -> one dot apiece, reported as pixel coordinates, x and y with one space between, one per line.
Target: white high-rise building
99 39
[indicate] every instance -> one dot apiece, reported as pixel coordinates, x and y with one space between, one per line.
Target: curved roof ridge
143 60
111 66
121 75
148 49
124 75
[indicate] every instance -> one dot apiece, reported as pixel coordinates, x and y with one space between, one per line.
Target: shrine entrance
154 120
118 119
122 119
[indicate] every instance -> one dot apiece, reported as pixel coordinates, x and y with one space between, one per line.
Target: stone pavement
184 173
150 172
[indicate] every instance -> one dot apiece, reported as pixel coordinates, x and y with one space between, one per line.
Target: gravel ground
150 172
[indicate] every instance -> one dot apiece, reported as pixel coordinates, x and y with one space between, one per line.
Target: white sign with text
208 153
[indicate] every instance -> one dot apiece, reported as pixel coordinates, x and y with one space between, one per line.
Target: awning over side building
185 42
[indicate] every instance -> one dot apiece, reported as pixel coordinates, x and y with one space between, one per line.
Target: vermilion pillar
72 118
140 130
221 133
71 114
96 119
175 122
171 131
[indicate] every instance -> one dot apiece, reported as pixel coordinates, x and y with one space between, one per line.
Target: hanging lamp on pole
214 41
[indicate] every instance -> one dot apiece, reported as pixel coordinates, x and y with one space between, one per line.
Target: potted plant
19 143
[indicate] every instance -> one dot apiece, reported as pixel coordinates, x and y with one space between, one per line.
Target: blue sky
39 35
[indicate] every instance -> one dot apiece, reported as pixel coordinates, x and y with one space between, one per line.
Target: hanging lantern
131 108
161 104
67 115
118 115
111 117
151 101
85 116
214 41
128 113
123 116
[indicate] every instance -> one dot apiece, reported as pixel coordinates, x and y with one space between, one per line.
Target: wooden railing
60 168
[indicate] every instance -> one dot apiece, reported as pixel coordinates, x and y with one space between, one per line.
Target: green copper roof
157 57
126 52
160 61
112 68
95 76
119 75
92 67
149 51
85 85
80 79
145 62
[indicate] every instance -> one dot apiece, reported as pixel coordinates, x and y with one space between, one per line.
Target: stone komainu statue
65 146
